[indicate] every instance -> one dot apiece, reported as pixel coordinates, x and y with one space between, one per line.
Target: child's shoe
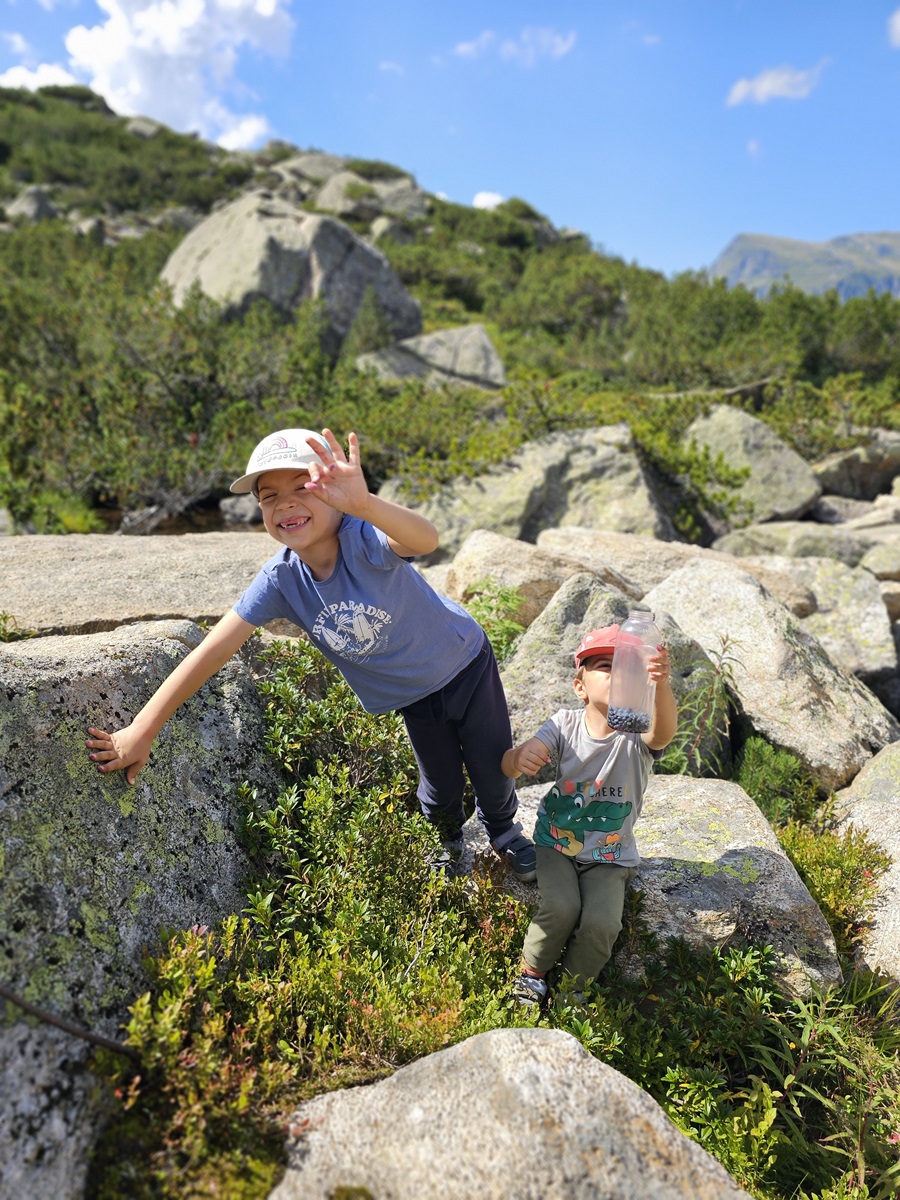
448 857
530 990
517 851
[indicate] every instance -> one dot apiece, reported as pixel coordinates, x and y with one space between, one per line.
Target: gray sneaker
529 990
517 851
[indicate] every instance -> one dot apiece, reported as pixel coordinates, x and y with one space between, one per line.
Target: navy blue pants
465 724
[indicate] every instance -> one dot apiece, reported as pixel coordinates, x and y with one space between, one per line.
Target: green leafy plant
704 717
12 631
495 607
777 781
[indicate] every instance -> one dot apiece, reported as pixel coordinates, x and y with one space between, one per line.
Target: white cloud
46 75
392 67
16 43
173 60
776 83
754 149
651 39
534 43
477 46
487 200
894 27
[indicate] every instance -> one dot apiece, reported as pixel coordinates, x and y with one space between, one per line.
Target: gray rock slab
84 583
536 574
465 355
799 539
786 687
648 561
870 804
850 621
780 485
883 560
93 870
534 1117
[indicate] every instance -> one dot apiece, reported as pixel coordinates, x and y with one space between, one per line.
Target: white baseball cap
286 449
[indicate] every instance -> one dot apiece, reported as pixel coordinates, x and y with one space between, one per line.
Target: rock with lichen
92 870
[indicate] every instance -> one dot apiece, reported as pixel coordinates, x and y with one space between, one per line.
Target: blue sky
662 130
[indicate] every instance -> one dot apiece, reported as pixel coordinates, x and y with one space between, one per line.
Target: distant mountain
852 265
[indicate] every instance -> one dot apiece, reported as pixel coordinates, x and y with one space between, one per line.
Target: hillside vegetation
111 399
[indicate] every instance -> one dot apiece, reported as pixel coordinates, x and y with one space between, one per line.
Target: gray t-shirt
590 811
391 635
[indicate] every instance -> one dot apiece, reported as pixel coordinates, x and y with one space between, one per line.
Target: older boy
584 833
344 576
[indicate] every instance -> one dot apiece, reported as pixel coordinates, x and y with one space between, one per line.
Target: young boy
343 575
584 832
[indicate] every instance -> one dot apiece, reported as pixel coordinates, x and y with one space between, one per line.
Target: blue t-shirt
391 635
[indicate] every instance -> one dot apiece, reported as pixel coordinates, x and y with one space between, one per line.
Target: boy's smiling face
295 517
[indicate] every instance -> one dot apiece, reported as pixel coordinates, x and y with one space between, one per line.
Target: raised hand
337 479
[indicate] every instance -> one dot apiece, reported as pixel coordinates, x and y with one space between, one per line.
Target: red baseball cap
598 641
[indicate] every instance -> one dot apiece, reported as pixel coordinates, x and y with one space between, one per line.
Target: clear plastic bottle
631 690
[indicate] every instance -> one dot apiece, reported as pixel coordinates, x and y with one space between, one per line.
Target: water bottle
631 690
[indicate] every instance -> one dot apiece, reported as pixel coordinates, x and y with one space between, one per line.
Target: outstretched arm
128 749
665 710
525 759
340 482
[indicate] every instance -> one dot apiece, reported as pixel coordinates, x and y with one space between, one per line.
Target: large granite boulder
535 574
564 479
195 575
263 246
780 485
462 355
647 561
538 676
93 870
534 1115
786 687
870 804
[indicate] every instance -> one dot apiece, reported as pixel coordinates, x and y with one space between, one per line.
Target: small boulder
534 1115
462 355
780 485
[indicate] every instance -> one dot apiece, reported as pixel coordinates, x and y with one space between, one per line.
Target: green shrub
495 608
841 870
777 781
373 169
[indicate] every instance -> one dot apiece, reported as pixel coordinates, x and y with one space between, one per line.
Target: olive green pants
580 913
